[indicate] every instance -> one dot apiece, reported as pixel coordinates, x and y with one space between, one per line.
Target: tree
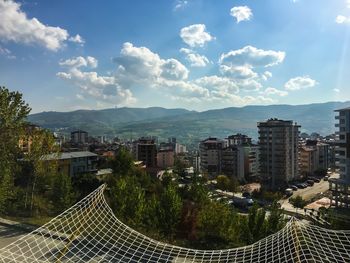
62 192
123 163
217 226
169 210
223 182
275 220
128 200
227 184
298 202
43 169
13 114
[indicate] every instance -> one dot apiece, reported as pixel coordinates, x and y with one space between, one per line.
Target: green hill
189 126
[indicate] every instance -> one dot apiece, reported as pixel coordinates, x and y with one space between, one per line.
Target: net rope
90 232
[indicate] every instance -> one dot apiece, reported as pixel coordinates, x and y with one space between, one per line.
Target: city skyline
197 55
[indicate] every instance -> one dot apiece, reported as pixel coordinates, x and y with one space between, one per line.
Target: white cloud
139 65
6 53
336 90
238 72
17 27
195 59
103 89
266 75
348 3
180 4
195 35
252 56
218 83
299 83
241 13
79 97
77 39
273 91
78 62
342 19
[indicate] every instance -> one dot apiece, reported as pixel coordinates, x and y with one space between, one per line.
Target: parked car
301 186
288 192
326 178
310 182
293 187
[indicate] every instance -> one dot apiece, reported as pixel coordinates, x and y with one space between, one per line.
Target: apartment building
210 151
278 157
341 187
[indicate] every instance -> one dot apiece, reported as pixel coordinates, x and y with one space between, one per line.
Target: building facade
74 163
145 150
165 158
79 137
210 151
341 187
278 157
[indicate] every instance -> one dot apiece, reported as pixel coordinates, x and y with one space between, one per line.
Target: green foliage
13 114
84 184
217 226
169 210
128 200
123 163
298 202
268 196
227 184
62 195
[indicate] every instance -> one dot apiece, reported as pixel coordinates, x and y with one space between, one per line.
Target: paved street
9 235
307 193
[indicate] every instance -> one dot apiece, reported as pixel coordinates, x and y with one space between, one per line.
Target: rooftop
68 155
344 109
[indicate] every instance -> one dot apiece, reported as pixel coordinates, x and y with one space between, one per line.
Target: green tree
62 195
298 202
223 182
123 163
128 200
217 226
13 114
169 211
43 160
275 220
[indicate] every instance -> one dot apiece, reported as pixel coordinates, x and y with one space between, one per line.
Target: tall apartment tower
278 158
210 151
79 137
341 187
145 150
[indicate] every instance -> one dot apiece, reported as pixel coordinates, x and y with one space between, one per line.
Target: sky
66 55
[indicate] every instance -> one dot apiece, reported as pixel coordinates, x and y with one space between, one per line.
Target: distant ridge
189 126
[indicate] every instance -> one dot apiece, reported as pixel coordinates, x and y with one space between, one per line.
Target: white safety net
90 232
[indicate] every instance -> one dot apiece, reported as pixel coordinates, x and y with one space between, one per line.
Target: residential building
210 151
340 187
278 157
73 163
145 150
179 148
240 158
79 137
165 158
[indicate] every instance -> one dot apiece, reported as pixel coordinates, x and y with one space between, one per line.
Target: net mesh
90 232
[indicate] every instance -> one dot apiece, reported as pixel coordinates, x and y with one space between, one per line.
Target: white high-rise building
341 187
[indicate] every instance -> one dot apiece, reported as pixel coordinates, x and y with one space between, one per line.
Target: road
9 234
308 193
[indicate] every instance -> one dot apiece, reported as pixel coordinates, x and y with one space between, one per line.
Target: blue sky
195 54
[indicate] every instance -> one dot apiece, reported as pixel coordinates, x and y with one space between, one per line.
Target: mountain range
189 127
